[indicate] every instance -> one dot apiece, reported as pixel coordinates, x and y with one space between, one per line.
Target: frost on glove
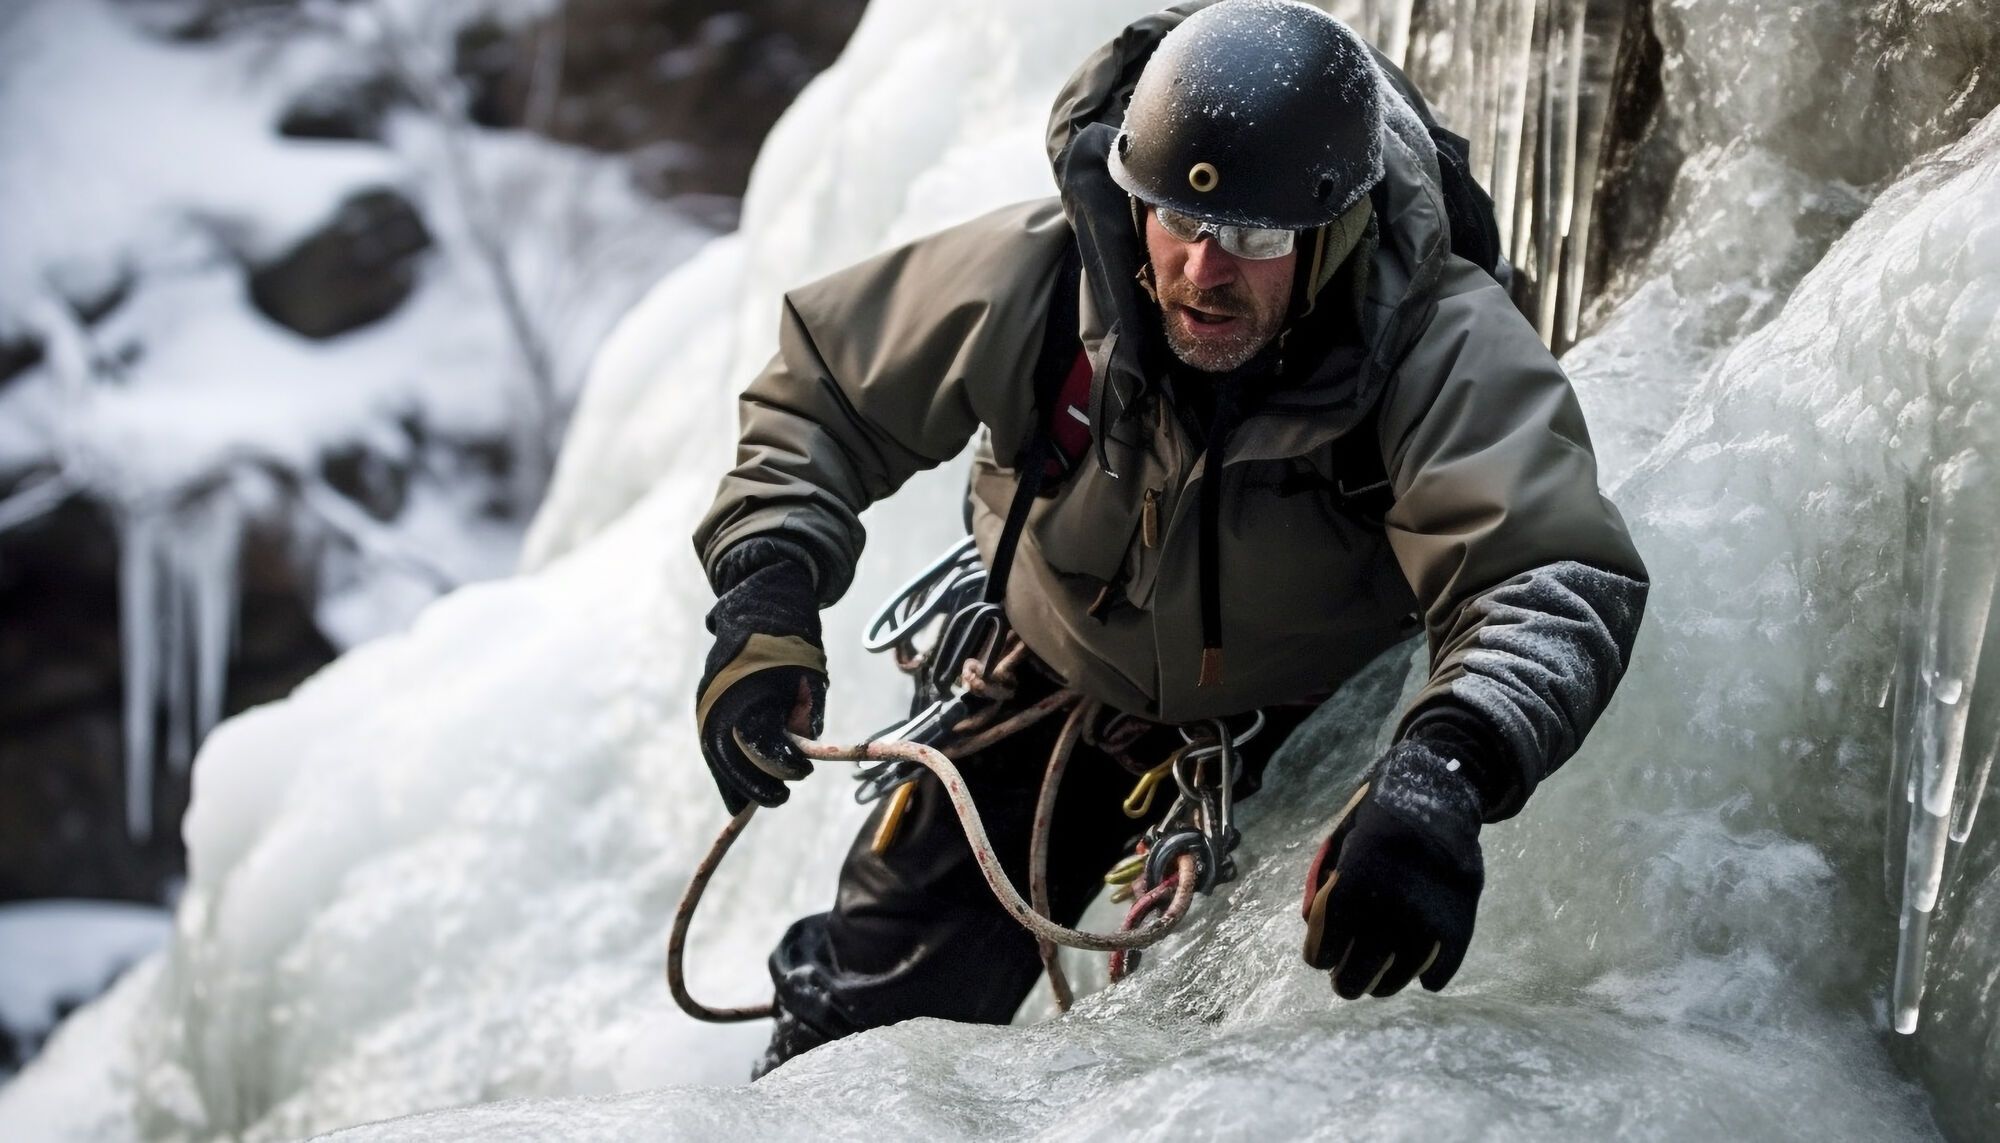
1393 892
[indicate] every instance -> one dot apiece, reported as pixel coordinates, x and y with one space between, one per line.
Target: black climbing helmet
1254 112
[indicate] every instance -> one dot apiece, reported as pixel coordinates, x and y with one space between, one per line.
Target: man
1256 261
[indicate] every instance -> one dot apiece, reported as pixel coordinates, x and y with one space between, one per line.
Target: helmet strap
1334 243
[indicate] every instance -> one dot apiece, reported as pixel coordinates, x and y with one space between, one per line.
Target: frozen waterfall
439 874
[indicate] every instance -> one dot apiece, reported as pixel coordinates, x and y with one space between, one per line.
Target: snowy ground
439 874
54 955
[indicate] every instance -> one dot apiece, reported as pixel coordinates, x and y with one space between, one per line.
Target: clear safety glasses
1256 243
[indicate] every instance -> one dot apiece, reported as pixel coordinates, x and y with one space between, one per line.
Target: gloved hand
766 673
1393 891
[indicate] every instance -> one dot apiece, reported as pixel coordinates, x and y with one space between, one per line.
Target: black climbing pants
916 931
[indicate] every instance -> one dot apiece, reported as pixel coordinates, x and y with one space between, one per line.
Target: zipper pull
1149 519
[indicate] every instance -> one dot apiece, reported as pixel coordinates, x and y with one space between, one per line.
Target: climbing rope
1187 852
1034 919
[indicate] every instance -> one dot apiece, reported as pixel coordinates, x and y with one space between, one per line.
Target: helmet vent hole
1203 177
1325 189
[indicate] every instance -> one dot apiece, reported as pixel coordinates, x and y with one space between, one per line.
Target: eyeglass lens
1253 242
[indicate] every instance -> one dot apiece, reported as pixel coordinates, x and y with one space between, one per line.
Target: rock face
17 355
62 785
692 86
344 107
356 269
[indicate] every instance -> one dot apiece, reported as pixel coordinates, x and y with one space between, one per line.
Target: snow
440 873
127 177
57 954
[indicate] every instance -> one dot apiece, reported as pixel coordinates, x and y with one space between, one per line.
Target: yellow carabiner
1126 871
892 816
1139 802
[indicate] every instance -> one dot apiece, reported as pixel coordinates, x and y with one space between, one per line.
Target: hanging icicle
177 608
1946 729
1529 84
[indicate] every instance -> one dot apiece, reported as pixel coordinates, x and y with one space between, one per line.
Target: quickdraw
1199 825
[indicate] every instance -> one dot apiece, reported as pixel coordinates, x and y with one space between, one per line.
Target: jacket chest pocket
1088 527
1316 558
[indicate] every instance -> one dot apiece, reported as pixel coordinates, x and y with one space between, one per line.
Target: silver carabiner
1255 728
931 592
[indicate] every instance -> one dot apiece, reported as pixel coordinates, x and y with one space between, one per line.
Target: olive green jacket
1498 543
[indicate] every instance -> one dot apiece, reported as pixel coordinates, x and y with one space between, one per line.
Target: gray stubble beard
1213 356
1208 356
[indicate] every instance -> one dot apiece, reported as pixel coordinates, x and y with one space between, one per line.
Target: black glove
766 673
1393 891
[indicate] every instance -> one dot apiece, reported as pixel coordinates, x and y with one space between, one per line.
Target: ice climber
1280 415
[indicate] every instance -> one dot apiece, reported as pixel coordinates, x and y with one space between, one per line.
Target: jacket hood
1405 251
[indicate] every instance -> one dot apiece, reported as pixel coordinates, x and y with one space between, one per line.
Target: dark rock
355 270
17 356
344 107
1641 157
56 651
710 76
379 484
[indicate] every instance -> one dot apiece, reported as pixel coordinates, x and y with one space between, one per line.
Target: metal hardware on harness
1202 820
975 631
951 581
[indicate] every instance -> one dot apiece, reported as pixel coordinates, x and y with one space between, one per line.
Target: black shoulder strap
1052 364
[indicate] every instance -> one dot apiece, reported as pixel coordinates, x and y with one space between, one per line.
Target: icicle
1960 562
139 636
1972 786
177 606
1503 175
1903 688
173 662
1395 38
213 595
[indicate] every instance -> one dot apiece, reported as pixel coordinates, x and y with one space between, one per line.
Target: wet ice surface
440 874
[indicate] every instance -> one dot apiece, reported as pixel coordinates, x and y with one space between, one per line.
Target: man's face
1219 310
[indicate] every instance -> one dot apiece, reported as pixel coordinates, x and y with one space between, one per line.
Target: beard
1216 351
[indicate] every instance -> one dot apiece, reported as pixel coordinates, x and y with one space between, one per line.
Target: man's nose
1209 265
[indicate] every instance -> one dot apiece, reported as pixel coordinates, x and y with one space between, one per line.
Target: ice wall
439 874
1683 934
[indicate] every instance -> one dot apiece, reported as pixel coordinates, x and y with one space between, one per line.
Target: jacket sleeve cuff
754 554
1456 731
